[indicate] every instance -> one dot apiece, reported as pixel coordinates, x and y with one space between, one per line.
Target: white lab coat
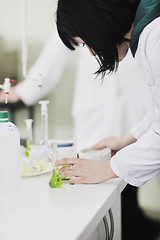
98 110
139 162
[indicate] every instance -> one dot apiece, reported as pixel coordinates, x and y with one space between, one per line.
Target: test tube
76 155
29 131
55 181
55 156
29 136
44 121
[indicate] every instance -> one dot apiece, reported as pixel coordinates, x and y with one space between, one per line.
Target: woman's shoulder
151 31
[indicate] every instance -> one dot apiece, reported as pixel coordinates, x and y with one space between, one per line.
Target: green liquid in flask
55 181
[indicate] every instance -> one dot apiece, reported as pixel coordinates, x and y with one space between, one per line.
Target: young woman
109 28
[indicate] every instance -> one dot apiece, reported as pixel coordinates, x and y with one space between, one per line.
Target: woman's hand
115 143
85 170
12 97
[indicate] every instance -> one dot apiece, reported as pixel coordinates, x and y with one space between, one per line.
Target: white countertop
38 212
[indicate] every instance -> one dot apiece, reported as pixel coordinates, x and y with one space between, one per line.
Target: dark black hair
101 24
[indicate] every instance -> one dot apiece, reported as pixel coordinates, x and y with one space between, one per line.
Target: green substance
55 181
29 143
67 178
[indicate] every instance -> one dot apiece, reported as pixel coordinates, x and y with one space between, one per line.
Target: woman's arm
50 65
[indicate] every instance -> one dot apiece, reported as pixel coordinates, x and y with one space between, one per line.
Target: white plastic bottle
10 166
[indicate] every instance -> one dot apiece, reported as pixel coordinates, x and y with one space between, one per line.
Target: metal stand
109 234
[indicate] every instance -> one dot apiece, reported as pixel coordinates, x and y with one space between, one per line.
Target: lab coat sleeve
50 65
142 126
140 161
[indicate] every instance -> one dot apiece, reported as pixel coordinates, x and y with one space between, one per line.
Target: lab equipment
10 167
109 233
29 153
25 45
24 40
76 155
44 121
40 167
6 86
29 136
38 151
55 181
65 144
102 154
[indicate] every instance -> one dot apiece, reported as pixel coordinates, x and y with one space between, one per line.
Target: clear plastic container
44 121
10 165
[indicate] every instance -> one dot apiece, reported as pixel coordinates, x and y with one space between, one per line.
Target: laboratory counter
72 212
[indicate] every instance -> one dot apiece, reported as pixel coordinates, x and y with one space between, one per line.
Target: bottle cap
4 116
44 107
28 123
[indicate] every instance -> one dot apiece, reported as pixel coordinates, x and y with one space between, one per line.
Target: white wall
40 20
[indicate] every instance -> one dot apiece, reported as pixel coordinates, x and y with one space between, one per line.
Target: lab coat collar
147 11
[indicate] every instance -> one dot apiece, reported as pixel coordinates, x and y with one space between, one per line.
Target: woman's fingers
67 161
101 144
98 146
65 172
73 167
77 180
68 168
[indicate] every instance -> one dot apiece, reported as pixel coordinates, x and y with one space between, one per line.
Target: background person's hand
85 170
12 97
115 143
